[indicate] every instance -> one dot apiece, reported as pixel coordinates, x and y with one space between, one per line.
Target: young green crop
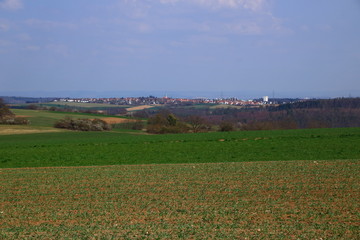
252 200
114 148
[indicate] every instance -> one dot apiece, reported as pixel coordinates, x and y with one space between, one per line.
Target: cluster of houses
151 100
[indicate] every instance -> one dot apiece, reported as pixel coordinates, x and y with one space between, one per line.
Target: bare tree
197 123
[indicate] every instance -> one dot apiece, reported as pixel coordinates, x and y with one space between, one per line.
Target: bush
21 121
227 127
11 120
166 123
83 124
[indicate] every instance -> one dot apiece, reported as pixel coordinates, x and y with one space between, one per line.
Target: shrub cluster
11 120
166 123
226 126
83 124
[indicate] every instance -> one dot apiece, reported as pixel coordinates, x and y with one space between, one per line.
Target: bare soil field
10 130
114 120
250 200
142 107
23 116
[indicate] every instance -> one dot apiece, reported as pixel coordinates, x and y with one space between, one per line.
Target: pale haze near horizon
240 47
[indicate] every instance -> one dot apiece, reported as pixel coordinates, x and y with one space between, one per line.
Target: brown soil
114 120
10 131
142 107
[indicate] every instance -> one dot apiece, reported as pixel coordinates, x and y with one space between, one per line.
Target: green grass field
283 184
114 148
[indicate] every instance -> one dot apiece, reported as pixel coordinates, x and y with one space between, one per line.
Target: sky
281 48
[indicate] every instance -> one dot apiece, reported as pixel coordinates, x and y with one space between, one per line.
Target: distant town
152 100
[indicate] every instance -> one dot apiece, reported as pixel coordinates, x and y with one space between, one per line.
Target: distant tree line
167 122
22 100
336 103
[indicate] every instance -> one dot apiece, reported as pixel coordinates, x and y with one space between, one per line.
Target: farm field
248 200
141 107
76 104
90 106
283 184
226 106
40 118
118 148
26 129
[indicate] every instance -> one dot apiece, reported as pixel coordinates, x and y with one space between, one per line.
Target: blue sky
239 47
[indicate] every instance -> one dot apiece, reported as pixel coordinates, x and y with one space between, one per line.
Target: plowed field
249 200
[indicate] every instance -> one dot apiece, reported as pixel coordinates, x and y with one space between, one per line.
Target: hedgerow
83 124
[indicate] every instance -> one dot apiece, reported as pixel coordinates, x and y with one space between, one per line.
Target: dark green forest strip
109 148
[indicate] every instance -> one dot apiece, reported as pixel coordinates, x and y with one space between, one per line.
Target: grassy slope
111 148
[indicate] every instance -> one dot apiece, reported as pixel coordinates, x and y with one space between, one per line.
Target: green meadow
116 148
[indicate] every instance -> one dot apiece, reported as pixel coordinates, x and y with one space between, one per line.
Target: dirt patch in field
10 131
23 116
142 107
113 120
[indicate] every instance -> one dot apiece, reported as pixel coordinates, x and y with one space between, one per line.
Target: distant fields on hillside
252 200
89 106
75 104
114 148
40 118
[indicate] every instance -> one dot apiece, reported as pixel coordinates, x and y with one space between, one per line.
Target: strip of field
110 148
115 120
40 118
76 104
226 106
13 129
252 200
142 107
